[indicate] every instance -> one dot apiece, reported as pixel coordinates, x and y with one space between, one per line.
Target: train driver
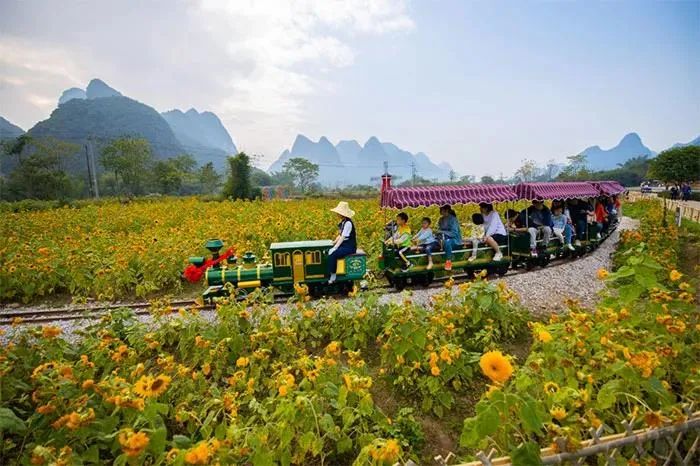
346 242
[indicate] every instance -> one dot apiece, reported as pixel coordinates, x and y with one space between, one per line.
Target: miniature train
305 262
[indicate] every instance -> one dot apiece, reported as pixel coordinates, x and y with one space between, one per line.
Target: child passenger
425 241
476 234
560 226
401 239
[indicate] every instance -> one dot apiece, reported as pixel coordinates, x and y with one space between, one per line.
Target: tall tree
677 165
40 173
303 172
130 160
486 179
238 184
467 179
527 170
453 176
209 179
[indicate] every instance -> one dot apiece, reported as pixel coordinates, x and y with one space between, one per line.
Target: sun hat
344 209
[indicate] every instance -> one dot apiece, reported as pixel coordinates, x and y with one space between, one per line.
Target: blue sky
481 85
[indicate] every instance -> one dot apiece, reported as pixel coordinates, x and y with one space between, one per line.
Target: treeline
45 169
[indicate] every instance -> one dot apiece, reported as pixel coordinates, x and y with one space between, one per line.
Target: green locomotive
296 262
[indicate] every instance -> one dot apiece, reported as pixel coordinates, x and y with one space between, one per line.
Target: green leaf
9 422
343 445
157 442
527 454
608 394
530 417
182 441
487 421
470 434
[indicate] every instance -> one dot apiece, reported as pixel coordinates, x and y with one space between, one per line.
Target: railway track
44 316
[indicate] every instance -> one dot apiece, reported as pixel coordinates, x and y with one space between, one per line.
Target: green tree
677 165
303 172
576 169
453 176
130 160
467 179
40 173
487 180
169 175
238 183
208 178
260 178
15 147
527 170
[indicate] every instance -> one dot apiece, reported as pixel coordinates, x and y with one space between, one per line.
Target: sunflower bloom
602 274
544 336
435 370
675 275
198 455
152 387
558 413
133 443
50 331
496 366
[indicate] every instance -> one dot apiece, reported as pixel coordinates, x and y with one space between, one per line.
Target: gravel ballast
542 291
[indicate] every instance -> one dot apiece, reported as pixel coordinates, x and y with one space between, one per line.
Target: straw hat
344 209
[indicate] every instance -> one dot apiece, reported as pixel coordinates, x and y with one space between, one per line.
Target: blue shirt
425 236
559 221
449 226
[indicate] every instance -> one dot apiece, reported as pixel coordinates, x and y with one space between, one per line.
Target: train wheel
544 260
399 283
502 270
529 264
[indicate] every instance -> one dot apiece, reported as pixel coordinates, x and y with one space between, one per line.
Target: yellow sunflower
152 387
496 366
675 275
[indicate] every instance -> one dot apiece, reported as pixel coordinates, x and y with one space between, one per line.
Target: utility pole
413 173
386 167
89 170
92 169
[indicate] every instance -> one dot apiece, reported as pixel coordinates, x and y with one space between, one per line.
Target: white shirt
347 229
493 224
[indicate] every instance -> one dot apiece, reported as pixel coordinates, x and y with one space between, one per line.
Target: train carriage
549 191
305 262
423 196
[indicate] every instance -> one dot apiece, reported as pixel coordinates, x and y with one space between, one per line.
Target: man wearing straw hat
345 243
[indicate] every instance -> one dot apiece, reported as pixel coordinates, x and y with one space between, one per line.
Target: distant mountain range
350 163
629 147
102 113
8 130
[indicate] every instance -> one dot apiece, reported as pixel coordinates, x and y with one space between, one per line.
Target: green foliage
209 180
129 160
633 356
238 185
677 165
40 173
303 172
170 174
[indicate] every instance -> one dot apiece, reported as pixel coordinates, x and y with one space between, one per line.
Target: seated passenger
601 217
495 231
345 243
579 210
538 219
425 241
401 239
561 227
450 232
476 234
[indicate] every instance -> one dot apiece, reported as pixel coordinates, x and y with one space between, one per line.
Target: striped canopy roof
555 190
608 188
439 195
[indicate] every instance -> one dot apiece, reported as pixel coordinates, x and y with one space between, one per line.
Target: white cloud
253 62
32 73
290 44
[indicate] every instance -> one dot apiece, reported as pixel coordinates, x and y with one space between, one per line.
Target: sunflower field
325 382
111 250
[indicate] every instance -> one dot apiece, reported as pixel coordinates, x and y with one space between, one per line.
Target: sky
480 85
